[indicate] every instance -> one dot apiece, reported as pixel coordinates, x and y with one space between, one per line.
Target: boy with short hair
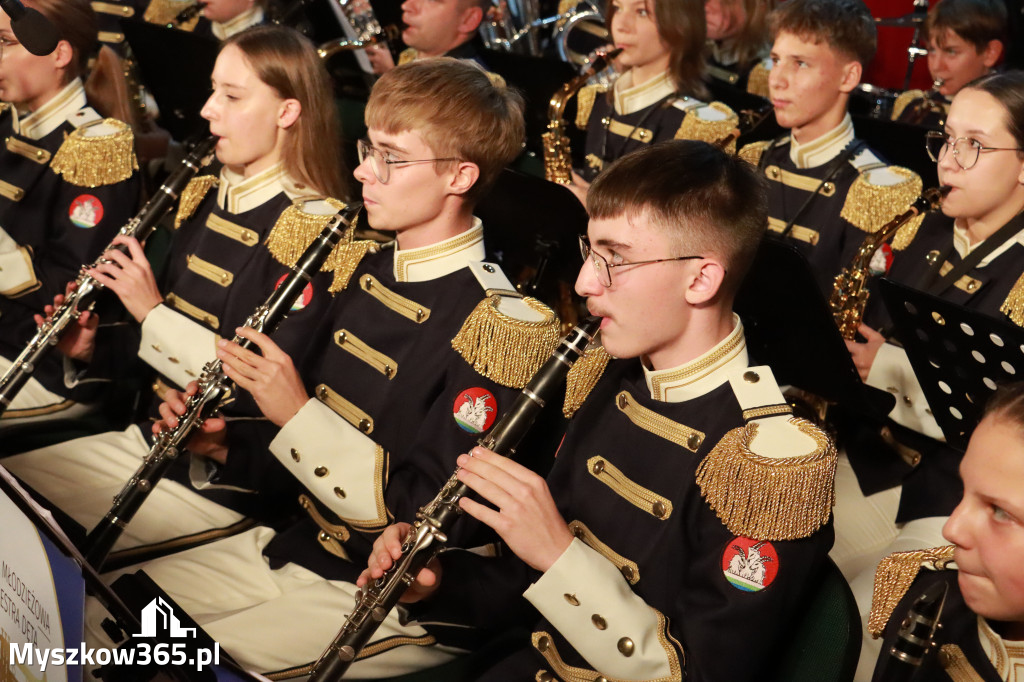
657 531
435 28
827 189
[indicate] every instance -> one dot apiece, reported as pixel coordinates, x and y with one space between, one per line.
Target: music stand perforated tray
959 356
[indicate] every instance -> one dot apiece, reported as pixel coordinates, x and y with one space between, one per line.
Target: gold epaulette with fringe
407 55
4 106
1013 306
757 81
193 195
165 12
585 103
894 576
506 349
583 377
696 127
97 160
296 229
869 206
768 498
752 153
903 101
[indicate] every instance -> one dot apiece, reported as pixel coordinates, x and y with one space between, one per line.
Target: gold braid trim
193 195
694 127
583 377
97 160
894 576
752 153
954 662
585 103
543 643
505 349
407 55
769 498
757 81
868 207
166 11
903 101
1013 306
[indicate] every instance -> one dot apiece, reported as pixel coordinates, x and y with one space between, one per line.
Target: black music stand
175 67
959 356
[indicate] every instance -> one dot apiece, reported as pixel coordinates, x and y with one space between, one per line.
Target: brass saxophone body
557 152
849 291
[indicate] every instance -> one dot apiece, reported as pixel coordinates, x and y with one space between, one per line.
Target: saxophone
849 290
557 154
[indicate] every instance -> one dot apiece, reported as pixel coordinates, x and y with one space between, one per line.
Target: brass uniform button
419 314
599 622
340 493
156 347
627 573
600 678
174 361
907 401
295 455
388 371
626 647
320 472
341 337
543 643
571 598
545 676
368 282
364 425
694 441
932 256
577 532
598 466
751 377
622 400
658 509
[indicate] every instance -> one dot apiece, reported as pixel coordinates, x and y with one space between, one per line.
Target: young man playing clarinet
687 509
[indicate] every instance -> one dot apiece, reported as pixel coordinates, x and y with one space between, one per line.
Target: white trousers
81 477
35 404
271 620
866 532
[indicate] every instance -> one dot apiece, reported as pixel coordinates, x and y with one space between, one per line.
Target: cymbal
906 21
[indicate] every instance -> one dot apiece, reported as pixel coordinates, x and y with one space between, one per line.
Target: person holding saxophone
68 182
237 235
972 254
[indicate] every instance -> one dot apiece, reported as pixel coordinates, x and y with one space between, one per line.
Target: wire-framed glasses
966 150
381 161
603 268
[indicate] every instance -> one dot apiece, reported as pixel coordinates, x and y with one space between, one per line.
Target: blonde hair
75 22
286 61
457 108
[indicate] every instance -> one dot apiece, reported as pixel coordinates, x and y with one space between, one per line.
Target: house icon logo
158 617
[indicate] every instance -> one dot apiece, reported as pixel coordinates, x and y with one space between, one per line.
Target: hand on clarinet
864 353
271 378
525 514
78 341
130 277
210 441
387 549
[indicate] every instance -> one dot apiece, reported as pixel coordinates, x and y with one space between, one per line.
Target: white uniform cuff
892 372
176 346
16 272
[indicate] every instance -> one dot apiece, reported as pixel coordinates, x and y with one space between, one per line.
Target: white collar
629 98
440 259
823 149
250 17
963 245
51 115
1006 656
237 194
701 375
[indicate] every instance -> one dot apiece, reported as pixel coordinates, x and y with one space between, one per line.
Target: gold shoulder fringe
757 81
344 260
97 160
903 101
165 12
868 207
696 128
1013 306
583 377
505 349
407 55
768 498
585 103
193 195
752 153
954 662
894 576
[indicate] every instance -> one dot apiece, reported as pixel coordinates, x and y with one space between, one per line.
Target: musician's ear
852 72
706 282
991 53
288 113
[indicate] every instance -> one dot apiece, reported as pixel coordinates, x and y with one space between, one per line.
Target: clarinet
87 289
434 521
214 388
916 636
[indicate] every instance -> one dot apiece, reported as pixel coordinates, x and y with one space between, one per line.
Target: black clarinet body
433 521
87 289
214 388
915 639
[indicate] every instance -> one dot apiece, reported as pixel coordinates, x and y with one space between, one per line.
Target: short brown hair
708 200
75 22
285 60
976 21
846 26
457 109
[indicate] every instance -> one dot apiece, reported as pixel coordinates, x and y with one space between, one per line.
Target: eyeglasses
603 268
381 161
966 150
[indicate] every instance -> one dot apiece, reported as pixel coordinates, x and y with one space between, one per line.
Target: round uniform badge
750 565
475 410
86 211
301 301
881 261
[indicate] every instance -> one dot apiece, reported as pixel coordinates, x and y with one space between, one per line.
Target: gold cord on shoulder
97 160
868 206
752 153
583 377
757 81
192 196
585 103
503 348
694 127
894 576
166 12
903 100
769 498
1013 306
